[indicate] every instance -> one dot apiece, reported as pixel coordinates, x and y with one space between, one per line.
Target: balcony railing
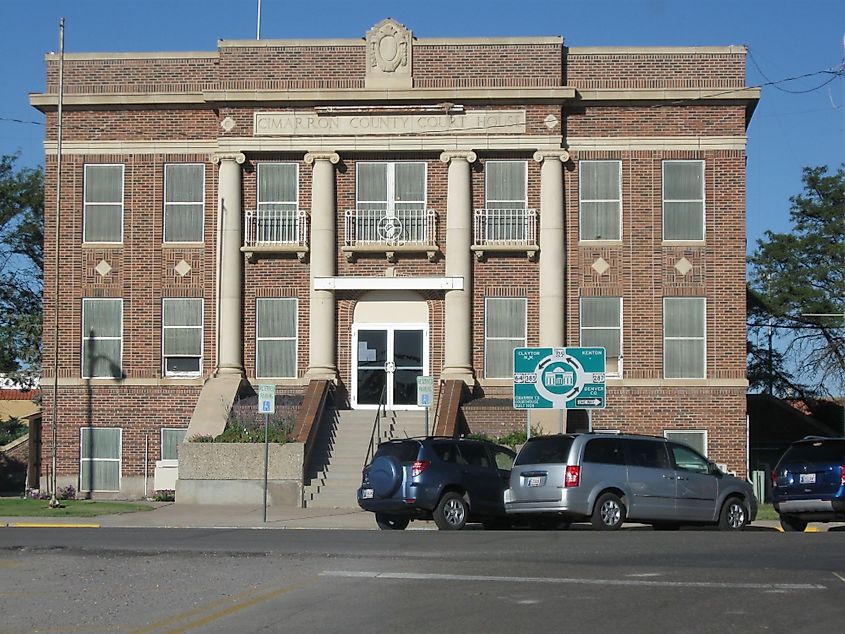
381 231
275 231
505 230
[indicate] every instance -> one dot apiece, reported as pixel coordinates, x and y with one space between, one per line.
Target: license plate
366 494
807 478
534 481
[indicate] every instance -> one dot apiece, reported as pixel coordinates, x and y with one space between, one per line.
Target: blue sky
786 38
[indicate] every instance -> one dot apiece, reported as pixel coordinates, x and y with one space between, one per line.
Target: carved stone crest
389 48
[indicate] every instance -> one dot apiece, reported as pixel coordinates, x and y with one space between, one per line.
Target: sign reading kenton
309 123
558 378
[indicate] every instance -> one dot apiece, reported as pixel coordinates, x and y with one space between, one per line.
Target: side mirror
714 469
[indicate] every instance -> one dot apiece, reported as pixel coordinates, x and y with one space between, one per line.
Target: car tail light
418 467
774 478
842 475
573 476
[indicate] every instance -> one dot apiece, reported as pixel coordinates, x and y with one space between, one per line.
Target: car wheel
792 524
734 515
665 526
392 522
608 513
451 512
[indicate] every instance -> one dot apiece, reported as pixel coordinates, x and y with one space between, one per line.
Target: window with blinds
601 326
103 203
683 200
504 329
684 337
170 438
278 203
99 459
102 338
181 336
506 200
600 191
276 338
184 202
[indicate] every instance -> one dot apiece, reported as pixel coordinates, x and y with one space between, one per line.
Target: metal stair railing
381 411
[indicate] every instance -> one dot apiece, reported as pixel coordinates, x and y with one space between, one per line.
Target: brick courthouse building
370 210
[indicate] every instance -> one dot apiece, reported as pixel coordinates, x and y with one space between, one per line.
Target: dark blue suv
449 480
808 483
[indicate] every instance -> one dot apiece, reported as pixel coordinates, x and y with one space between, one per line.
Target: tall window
276 338
181 337
169 439
393 190
600 187
102 338
506 195
504 330
601 326
278 202
99 459
184 201
684 337
103 212
683 200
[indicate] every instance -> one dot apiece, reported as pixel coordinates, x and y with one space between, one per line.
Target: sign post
558 378
266 406
425 391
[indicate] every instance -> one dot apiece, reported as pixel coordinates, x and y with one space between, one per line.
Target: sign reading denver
559 378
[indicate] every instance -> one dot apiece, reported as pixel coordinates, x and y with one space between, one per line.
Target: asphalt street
154 580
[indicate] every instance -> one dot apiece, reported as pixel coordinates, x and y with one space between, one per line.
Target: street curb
47 525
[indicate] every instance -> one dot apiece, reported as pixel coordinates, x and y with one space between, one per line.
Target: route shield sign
558 378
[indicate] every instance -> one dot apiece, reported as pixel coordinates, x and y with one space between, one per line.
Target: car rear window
816 451
402 451
605 451
545 450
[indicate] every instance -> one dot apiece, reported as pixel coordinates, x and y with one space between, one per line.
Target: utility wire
774 84
21 121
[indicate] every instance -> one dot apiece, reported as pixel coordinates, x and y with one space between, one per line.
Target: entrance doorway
389 358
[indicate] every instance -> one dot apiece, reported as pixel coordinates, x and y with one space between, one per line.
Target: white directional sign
266 398
558 378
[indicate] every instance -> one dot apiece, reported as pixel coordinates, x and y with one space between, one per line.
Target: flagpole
258 26
54 502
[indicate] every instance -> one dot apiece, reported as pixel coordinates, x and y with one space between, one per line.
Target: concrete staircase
340 449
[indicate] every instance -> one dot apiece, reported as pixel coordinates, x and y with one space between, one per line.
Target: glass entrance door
388 358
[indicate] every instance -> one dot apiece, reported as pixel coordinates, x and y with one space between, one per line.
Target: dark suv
449 480
808 483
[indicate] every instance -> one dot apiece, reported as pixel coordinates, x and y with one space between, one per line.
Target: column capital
468 155
561 155
332 157
237 157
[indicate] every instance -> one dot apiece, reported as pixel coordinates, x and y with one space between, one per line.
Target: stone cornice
72 57
655 50
668 94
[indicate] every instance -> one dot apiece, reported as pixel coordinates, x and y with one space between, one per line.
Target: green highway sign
558 378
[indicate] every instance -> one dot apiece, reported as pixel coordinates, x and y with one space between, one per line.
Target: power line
21 121
774 84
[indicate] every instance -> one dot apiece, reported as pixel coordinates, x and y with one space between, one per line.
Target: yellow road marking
186 615
214 616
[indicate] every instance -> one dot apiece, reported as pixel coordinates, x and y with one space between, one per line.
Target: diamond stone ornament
683 266
182 268
228 124
550 121
103 268
600 266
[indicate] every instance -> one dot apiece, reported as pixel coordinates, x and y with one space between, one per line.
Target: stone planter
233 473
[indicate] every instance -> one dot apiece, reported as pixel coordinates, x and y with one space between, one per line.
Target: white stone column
552 248
230 335
322 341
458 328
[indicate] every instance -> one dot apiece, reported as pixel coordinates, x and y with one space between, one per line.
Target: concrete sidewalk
172 515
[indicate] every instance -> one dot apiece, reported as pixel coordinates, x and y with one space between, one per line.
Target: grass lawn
767 512
17 507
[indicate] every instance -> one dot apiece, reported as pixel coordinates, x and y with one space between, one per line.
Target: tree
797 280
21 269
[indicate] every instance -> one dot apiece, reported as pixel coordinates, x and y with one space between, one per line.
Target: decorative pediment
389 52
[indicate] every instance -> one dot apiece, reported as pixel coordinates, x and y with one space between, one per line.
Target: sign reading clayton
558 378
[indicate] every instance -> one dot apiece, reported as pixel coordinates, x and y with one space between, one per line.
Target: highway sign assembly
559 378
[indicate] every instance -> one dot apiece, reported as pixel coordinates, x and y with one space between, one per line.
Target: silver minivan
610 478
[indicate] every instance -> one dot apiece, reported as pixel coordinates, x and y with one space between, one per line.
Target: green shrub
12 429
250 428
